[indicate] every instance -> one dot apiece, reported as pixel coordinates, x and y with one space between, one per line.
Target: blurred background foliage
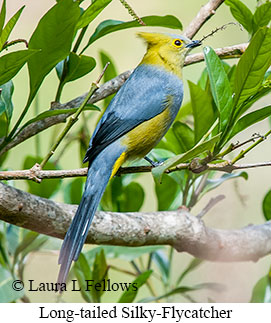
209 120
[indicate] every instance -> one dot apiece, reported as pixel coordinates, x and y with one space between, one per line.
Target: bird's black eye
177 42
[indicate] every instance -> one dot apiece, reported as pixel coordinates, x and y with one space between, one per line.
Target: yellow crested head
167 50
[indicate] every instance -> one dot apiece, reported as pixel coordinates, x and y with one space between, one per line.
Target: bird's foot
153 163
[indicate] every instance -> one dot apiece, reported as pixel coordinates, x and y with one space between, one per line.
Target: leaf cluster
15 245
219 107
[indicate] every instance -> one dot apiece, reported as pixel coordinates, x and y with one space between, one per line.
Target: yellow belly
145 136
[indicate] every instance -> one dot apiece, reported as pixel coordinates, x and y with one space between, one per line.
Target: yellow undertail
118 163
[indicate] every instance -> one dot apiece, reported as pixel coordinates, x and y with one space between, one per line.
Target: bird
134 122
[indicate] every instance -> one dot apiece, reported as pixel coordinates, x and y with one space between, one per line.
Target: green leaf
35 245
183 290
163 264
241 13
129 295
83 265
119 197
185 111
6 105
262 291
20 242
109 26
7 293
47 187
267 206
73 191
99 273
231 75
185 135
250 119
262 91
211 184
194 263
126 253
203 80
174 291
78 66
202 110
92 12
11 63
55 112
82 272
4 260
3 126
262 16
99 266
166 193
53 36
170 142
2 16
194 152
109 74
112 195
51 243
9 27
3 256
14 236
132 198
251 68
220 86
106 203
27 240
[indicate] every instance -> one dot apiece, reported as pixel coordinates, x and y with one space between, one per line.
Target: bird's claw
153 163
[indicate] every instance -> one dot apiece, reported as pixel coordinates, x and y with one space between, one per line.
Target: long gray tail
98 176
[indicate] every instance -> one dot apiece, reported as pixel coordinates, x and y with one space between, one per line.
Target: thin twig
244 152
132 12
232 146
124 271
198 190
36 174
254 137
132 262
204 14
223 27
186 189
213 201
150 260
102 74
234 51
74 118
69 140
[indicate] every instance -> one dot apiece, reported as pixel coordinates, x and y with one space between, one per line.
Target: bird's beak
194 43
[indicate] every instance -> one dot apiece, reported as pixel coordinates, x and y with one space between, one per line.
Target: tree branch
225 52
204 14
37 174
179 229
104 91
